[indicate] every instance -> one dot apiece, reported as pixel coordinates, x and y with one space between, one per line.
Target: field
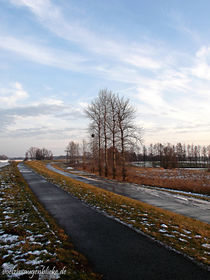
184 234
30 240
189 180
196 181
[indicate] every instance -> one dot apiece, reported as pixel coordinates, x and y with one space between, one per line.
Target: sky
56 55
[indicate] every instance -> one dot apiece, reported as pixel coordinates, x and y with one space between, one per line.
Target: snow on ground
22 246
189 175
3 163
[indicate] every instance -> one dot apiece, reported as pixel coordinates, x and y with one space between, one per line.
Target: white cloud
52 101
46 118
201 69
176 103
141 61
157 92
13 95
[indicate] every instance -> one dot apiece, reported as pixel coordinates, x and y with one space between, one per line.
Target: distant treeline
38 154
170 156
164 155
3 157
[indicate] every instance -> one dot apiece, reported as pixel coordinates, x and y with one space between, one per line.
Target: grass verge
189 236
194 181
62 167
30 239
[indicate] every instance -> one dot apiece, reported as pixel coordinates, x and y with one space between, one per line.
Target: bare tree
103 102
3 157
38 154
169 159
32 152
84 153
94 113
204 154
114 130
208 154
112 122
129 133
72 152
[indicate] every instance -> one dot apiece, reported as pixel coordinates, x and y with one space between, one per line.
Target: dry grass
30 239
185 234
196 181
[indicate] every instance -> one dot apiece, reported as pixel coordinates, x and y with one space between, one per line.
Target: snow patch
183 240
162 230
8 238
164 226
206 246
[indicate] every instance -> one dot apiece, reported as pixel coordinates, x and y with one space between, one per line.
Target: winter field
190 180
195 180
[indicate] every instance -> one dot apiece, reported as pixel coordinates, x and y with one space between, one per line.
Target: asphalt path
189 206
113 249
3 164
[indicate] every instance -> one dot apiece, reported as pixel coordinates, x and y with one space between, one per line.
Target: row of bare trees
181 155
72 152
113 131
3 157
38 154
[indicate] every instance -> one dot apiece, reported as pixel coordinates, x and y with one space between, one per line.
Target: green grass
184 234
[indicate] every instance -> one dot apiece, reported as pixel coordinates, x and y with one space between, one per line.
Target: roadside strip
114 249
32 245
192 207
189 236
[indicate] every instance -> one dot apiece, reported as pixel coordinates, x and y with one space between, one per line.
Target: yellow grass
196 181
185 234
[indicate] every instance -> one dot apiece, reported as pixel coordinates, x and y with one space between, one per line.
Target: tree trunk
113 157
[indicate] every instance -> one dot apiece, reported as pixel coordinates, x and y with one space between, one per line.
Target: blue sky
56 55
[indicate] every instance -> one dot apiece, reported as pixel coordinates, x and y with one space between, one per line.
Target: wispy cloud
40 54
43 132
171 88
51 16
179 23
48 56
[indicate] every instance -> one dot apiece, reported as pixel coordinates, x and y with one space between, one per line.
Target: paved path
3 164
114 250
192 207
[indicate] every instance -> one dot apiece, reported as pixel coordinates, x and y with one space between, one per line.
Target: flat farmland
196 181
